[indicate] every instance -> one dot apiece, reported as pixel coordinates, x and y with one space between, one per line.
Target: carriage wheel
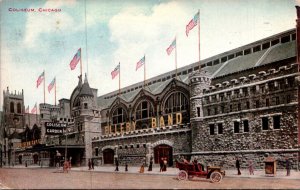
215 177
182 175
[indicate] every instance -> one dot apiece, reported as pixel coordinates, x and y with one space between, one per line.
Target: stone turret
198 82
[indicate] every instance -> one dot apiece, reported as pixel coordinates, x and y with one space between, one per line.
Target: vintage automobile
189 170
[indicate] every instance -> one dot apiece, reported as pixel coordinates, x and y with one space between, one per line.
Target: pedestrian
251 167
117 164
161 164
126 167
142 168
92 163
150 164
70 162
237 165
165 164
288 167
89 164
66 166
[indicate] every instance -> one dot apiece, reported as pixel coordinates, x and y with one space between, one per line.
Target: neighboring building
15 123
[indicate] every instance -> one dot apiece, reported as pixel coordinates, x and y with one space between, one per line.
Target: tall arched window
176 102
19 108
119 116
144 110
12 107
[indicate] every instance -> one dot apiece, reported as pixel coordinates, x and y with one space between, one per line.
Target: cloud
45 23
138 33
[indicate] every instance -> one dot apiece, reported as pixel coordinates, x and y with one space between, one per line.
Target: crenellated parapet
282 72
13 94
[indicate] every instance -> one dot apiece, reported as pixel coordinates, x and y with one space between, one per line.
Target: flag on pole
40 79
171 47
115 72
140 63
27 109
75 59
51 85
192 24
33 109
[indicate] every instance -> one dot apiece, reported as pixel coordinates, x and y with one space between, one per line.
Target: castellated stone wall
135 150
250 114
255 139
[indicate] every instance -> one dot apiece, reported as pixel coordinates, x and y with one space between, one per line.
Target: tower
198 82
88 117
13 123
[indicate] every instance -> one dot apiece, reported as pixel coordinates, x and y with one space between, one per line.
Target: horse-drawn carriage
188 171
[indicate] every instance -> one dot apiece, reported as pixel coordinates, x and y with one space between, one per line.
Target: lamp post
66 144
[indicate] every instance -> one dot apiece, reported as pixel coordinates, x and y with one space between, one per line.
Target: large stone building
243 102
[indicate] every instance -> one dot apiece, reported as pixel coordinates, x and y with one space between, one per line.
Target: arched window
12 107
119 116
144 110
19 108
176 102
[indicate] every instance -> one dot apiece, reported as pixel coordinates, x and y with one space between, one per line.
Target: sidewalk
280 174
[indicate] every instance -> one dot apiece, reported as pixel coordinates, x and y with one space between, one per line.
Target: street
38 178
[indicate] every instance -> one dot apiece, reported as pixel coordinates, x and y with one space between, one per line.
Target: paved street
40 178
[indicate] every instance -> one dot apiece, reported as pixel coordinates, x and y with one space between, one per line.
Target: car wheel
182 175
215 177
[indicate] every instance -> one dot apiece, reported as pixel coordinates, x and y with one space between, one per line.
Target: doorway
163 151
108 156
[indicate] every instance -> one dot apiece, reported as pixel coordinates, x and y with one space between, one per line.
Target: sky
113 31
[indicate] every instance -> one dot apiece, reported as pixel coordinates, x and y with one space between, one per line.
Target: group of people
251 166
163 164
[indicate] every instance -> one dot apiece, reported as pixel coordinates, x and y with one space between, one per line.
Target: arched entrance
163 151
108 156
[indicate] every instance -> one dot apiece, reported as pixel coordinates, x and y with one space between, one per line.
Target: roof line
222 66
265 54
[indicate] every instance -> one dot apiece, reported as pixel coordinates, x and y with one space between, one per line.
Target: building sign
55 128
27 143
127 127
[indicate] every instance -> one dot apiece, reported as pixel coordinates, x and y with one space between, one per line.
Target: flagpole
28 117
119 78
55 92
144 71
44 86
176 56
199 37
80 64
36 117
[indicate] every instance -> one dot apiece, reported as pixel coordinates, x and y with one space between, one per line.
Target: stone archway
163 149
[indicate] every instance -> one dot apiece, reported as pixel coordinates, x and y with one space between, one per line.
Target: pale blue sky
123 30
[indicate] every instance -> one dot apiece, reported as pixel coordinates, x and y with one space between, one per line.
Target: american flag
27 109
51 85
75 59
115 72
40 79
192 24
140 63
171 47
33 109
